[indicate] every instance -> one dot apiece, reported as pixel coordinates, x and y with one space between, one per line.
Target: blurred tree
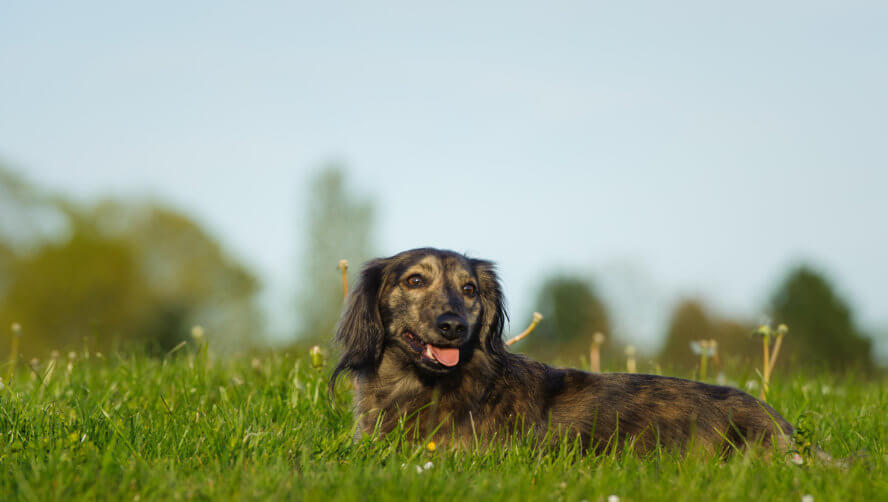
188 277
135 274
28 216
339 227
64 292
7 261
690 322
572 314
821 325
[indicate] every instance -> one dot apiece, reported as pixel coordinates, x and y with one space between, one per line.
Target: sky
666 149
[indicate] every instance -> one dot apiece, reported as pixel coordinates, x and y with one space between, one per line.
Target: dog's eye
415 281
469 290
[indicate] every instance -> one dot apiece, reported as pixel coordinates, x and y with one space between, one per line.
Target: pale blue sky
668 148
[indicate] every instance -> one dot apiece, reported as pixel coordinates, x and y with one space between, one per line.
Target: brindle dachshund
422 335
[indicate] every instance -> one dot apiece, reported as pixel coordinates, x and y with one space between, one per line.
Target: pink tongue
445 356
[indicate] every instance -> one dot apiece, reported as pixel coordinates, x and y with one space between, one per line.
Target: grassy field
193 426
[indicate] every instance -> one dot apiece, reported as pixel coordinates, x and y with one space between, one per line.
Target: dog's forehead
448 265
457 267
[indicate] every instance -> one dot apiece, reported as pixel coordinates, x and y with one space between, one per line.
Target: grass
192 426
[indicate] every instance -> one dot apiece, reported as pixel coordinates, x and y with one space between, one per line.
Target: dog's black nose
451 326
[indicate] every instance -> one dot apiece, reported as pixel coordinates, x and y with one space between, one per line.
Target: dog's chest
382 404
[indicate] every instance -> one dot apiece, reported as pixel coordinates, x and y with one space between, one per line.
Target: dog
421 334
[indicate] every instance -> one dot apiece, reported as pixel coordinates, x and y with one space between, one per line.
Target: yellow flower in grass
431 446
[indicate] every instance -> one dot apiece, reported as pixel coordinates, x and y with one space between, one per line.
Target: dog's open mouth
448 356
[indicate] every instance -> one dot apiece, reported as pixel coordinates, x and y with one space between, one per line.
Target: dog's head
432 308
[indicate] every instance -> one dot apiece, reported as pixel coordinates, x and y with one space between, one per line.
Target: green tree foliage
121 275
691 322
821 325
340 226
573 313
189 277
7 260
28 216
66 291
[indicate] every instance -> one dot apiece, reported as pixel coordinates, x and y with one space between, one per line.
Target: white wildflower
704 347
613 498
807 497
424 467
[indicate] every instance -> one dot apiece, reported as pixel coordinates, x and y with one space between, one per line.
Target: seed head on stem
630 359
317 357
769 354
705 349
197 332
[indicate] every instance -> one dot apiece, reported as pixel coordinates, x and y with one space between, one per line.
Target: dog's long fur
492 391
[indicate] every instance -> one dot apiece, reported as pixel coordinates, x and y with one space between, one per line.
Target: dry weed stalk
537 317
595 352
782 330
343 267
13 350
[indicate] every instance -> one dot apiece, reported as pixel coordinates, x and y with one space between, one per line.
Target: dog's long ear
360 332
494 314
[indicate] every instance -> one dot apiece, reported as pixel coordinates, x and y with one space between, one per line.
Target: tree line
138 275
822 330
114 275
